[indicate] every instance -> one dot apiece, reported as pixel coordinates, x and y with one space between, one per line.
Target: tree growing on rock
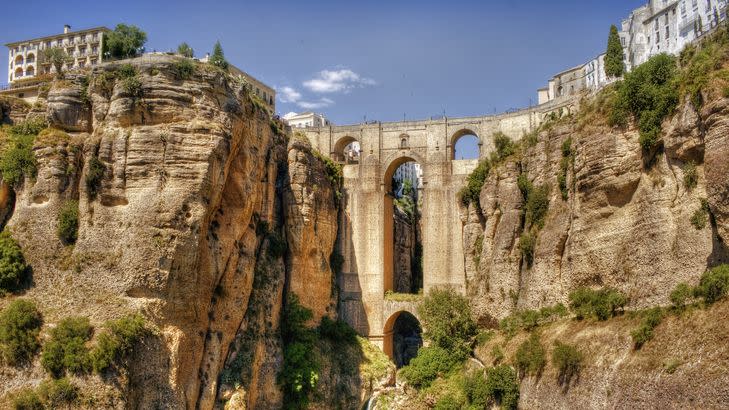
185 50
218 58
614 66
57 56
124 42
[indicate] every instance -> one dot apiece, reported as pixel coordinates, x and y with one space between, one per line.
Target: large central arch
388 228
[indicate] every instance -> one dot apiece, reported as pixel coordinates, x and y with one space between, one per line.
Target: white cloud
289 95
343 80
315 105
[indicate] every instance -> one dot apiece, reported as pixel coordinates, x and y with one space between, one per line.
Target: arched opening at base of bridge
403 338
346 150
465 145
403 254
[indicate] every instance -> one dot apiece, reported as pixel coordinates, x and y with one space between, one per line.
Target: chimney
66 28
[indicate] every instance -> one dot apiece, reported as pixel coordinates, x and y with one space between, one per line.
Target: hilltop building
660 26
263 91
306 119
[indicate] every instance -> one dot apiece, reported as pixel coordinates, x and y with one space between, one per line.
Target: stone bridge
366 227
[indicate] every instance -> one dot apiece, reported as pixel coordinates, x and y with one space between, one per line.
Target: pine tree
218 58
614 56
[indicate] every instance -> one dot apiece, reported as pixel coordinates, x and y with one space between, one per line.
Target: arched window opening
403 238
346 151
30 71
467 147
406 339
404 142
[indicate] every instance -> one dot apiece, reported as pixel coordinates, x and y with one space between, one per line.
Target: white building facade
409 171
84 47
306 119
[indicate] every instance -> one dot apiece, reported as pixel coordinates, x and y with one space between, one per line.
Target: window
658 37
668 33
665 18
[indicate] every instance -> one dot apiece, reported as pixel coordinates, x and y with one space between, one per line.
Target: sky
384 60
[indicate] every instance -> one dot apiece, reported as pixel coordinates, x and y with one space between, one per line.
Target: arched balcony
30 71
19 60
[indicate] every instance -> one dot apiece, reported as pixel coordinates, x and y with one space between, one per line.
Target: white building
409 171
83 47
306 119
594 73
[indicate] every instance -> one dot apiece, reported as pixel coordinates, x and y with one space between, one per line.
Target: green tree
446 317
13 269
218 58
614 56
124 42
20 325
57 56
185 50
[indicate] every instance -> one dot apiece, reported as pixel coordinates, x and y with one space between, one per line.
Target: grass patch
644 333
51 137
27 399
690 175
528 320
403 297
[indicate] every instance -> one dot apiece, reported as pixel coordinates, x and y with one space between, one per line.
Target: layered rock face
203 218
404 247
625 223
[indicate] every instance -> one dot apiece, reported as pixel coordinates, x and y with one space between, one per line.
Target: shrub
27 399
126 71
300 372
567 360
68 222
31 126
20 324
185 50
497 355
471 192
649 94
18 161
448 402
701 216
601 304
503 386
337 331
183 69
690 175
94 176
714 284
13 269
681 295
58 393
132 86
446 318
431 362
527 243
504 146
116 342
529 357
476 390
66 350
644 333
537 205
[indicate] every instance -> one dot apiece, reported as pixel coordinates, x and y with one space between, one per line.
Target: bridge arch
402 337
347 150
461 133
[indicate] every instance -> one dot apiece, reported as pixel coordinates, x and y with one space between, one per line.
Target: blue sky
386 60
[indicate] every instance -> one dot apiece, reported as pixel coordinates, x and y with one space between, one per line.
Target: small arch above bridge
346 150
465 144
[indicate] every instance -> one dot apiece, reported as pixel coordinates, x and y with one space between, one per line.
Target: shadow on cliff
147 381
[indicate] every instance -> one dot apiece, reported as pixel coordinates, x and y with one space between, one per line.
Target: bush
13 268
681 295
27 399
649 94
58 393
471 192
94 176
690 175
116 342
537 205
567 360
505 147
31 126
66 350
18 161
337 331
503 386
448 402
476 390
644 333
68 222
497 355
601 304
20 324
300 372
183 69
132 86
527 243
529 319
446 318
430 363
529 358
714 284
701 216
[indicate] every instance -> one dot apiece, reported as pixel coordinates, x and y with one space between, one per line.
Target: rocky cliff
195 208
617 221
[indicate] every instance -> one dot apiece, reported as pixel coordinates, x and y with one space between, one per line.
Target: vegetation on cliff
20 324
